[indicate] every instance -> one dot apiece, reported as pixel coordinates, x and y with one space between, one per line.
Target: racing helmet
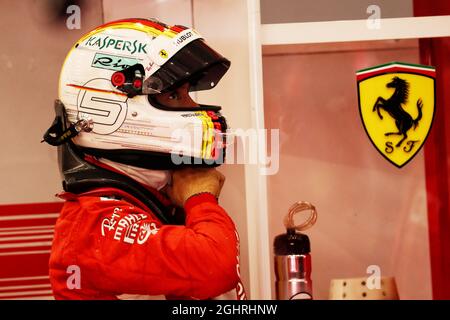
108 84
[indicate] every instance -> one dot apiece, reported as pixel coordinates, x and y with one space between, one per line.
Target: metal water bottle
292 259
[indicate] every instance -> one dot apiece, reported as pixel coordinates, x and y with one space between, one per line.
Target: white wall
32 51
168 11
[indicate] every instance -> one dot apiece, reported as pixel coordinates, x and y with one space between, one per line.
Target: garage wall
31 54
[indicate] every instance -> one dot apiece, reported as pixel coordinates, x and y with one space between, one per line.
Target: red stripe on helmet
178 28
134 20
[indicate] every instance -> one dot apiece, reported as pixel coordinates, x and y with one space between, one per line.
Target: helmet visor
196 63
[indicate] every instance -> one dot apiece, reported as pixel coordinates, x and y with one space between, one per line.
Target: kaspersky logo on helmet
397 105
117 44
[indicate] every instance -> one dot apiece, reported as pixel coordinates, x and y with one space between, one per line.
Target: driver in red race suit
135 222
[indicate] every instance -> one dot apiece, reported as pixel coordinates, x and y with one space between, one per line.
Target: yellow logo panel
397 104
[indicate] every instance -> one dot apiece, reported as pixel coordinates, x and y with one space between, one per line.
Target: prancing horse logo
393 106
397 103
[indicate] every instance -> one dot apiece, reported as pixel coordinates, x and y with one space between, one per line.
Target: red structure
436 52
26 233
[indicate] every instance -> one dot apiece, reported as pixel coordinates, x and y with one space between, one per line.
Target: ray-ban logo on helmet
107 61
397 104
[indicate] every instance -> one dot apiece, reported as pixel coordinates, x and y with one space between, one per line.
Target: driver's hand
189 181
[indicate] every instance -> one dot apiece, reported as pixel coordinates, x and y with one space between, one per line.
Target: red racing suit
107 243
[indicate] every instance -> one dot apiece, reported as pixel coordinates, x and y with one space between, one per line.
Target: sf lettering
410 145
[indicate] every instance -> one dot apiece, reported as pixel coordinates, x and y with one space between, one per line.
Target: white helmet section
120 122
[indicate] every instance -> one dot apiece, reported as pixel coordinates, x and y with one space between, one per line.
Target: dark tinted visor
196 63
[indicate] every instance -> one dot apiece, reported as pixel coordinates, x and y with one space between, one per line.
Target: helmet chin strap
156 179
56 137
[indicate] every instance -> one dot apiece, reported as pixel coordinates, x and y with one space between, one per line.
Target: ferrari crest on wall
397 105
